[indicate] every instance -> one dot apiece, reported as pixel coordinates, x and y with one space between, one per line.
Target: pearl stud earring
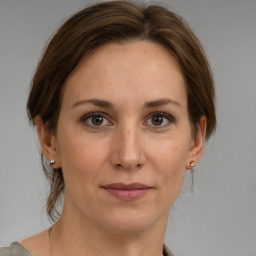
192 164
52 162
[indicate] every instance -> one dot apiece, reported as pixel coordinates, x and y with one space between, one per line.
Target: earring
192 164
52 162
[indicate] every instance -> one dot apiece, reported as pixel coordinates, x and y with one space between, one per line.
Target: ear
48 142
197 144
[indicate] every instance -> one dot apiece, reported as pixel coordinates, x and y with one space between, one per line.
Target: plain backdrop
219 217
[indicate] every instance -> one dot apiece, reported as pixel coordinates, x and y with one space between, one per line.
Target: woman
122 100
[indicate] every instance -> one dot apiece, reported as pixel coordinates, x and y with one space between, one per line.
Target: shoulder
167 252
15 249
35 245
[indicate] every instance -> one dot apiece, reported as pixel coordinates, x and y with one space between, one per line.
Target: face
123 137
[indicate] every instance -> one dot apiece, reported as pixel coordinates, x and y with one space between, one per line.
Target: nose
127 149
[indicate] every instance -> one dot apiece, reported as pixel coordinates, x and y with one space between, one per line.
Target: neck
71 236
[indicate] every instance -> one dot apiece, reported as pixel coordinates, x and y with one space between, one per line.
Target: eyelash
170 119
85 118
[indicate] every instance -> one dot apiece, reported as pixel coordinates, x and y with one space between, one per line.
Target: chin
130 222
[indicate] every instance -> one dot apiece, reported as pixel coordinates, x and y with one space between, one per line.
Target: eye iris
97 120
157 120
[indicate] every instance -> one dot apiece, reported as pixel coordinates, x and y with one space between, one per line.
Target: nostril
137 166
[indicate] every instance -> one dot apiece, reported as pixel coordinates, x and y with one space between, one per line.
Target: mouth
127 192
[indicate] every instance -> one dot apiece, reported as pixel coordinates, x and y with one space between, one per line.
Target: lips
127 192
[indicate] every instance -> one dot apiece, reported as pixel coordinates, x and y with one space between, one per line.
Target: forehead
131 70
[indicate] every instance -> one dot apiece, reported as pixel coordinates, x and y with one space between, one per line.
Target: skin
127 147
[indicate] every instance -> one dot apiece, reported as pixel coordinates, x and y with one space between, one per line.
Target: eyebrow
149 104
161 102
96 102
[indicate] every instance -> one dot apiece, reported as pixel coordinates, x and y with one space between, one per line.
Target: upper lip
122 186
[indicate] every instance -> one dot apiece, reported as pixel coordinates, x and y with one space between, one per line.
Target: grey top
16 249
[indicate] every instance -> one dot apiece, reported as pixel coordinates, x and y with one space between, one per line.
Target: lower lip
128 194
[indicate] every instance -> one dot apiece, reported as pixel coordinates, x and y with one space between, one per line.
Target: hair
116 21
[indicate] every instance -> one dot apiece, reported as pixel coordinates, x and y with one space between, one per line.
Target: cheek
80 158
170 166
172 154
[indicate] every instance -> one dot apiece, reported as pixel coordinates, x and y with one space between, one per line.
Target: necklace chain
50 239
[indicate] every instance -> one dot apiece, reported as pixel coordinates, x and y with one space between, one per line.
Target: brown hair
116 21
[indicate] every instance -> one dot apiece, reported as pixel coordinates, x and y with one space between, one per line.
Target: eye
95 120
159 119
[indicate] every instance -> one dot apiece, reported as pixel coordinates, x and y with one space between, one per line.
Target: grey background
219 217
